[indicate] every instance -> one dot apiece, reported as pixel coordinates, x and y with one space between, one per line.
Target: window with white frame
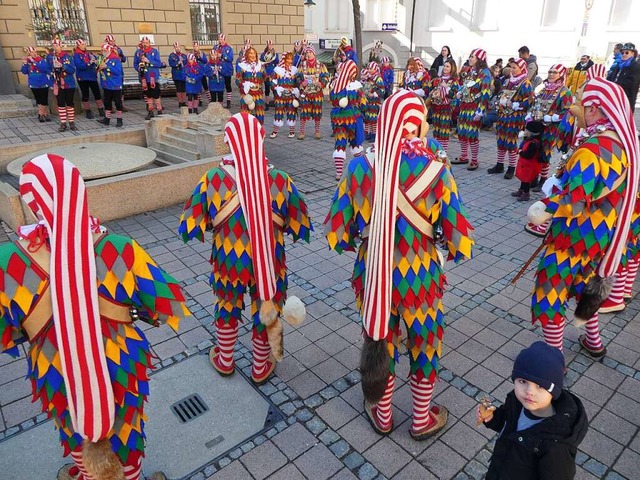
205 20
624 12
63 19
337 15
558 14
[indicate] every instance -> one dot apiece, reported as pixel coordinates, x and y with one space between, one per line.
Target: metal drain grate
189 408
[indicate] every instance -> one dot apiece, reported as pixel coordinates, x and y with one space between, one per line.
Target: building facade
554 30
36 22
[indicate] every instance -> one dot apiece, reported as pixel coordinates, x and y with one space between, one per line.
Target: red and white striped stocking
513 158
445 143
317 129
303 125
615 301
554 334
464 150
261 351
132 472
502 153
544 172
594 340
71 114
632 272
421 393
77 459
227 337
475 150
383 407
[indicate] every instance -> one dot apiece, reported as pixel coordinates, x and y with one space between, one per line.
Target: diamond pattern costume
250 78
128 280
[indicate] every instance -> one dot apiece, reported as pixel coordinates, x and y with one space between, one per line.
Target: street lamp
309 3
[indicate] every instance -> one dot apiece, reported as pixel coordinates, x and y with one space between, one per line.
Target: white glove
374 95
279 91
296 92
478 116
246 86
515 105
528 118
547 119
555 117
419 92
547 187
503 101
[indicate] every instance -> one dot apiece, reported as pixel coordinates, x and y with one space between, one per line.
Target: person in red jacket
530 159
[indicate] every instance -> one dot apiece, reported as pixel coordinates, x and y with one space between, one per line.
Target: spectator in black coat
627 73
540 424
438 63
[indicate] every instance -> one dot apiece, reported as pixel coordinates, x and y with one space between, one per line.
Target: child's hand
484 412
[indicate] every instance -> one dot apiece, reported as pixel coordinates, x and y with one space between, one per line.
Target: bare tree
357 26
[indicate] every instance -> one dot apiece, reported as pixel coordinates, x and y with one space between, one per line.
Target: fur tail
100 461
374 369
594 293
275 337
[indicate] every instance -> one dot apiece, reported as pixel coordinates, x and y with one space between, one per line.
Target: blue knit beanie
541 364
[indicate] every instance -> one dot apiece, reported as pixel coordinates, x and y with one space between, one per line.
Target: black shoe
104 121
125 109
266 107
538 187
72 126
41 118
101 112
149 115
199 103
47 118
195 110
62 127
517 193
509 173
498 168
159 112
228 103
118 122
89 114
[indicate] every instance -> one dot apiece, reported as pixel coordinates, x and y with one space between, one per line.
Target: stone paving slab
317 385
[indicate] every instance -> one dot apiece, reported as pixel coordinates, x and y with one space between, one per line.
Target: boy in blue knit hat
540 424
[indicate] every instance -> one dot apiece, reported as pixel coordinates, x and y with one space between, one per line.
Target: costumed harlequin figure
177 62
514 100
551 106
110 73
373 87
474 94
270 60
391 201
574 118
216 78
347 99
87 77
111 40
64 84
416 77
286 92
148 65
590 211
226 56
312 79
443 90
388 76
344 52
201 58
250 78
73 292
243 52
38 72
249 206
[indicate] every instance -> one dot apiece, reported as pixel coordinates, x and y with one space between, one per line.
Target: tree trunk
357 26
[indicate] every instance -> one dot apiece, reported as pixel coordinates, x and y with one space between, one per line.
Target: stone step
13 106
164 158
176 151
183 133
179 142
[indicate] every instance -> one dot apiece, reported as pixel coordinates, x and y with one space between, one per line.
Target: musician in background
250 80
388 76
111 40
313 77
515 99
216 79
64 84
443 90
201 58
177 61
226 57
38 74
110 73
87 77
270 61
148 65
373 88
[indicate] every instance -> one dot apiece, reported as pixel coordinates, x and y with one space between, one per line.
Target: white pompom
344 101
247 99
294 311
251 105
295 103
521 134
537 213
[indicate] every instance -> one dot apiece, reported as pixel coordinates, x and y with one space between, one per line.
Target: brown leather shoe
439 417
225 372
593 352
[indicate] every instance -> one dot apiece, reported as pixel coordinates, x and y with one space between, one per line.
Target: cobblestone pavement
316 386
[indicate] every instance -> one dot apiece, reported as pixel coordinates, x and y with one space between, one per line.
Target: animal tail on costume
269 318
374 369
594 293
100 461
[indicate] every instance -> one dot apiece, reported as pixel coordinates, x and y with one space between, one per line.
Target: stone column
7 85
